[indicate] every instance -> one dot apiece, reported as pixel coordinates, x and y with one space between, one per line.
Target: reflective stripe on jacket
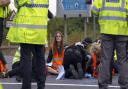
112 16
30 22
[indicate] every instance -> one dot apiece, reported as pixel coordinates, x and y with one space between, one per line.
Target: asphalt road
52 83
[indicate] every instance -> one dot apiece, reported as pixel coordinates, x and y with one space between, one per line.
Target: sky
52 6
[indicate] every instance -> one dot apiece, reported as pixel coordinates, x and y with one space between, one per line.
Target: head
58 38
58 41
96 48
86 42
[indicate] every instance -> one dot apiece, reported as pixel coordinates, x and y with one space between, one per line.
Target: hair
55 45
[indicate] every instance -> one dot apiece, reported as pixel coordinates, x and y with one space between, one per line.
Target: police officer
114 35
30 30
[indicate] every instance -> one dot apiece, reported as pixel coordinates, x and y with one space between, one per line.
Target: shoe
88 75
18 79
74 72
60 76
61 73
6 75
2 75
80 70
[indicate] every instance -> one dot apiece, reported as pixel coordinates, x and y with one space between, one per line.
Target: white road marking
54 84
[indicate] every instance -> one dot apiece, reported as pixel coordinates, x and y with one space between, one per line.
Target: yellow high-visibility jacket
30 22
3 12
112 16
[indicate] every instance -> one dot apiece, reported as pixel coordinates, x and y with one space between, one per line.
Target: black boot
4 75
18 79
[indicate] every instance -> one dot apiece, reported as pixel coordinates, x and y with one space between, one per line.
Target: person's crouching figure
74 59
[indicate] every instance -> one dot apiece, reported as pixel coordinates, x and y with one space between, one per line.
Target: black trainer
80 70
74 72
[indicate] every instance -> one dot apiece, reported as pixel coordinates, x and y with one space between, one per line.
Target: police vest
112 16
30 22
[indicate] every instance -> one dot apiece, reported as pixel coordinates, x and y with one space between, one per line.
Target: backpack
4 3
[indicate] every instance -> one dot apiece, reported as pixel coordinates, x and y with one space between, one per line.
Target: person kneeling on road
75 59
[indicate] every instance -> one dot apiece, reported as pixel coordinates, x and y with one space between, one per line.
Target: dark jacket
74 54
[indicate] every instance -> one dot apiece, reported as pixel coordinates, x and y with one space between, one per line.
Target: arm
96 5
50 56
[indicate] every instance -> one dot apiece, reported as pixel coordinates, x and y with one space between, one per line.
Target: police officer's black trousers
1 30
109 43
26 65
1 37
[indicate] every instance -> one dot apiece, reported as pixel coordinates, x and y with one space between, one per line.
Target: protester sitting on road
75 59
15 71
56 54
15 66
95 52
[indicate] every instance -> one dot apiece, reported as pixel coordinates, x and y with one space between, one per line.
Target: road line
55 84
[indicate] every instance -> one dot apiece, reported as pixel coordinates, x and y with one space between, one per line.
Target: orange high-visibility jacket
57 59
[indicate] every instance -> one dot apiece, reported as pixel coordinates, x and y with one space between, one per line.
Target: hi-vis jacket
16 57
57 60
30 22
112 16
3 12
